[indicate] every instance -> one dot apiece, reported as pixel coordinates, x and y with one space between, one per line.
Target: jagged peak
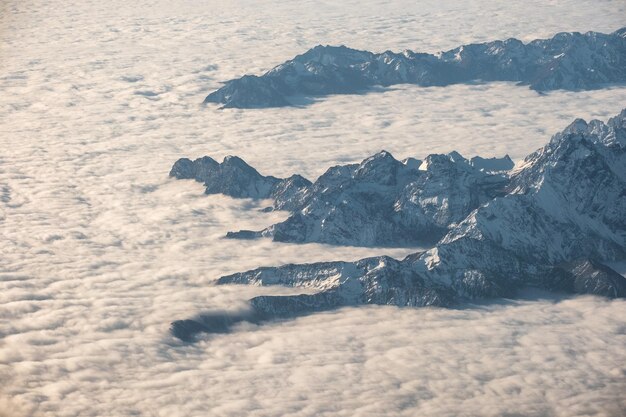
296 177
327 54
381 154
577 126
412 163
382 158
611 133
378 163
564 142
454 156
580 144
436 160
185 168
492 164
234 160
509 41
328 47
204 160
572 34
575 130
618 121
297 180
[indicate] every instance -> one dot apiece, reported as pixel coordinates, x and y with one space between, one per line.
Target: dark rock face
585 276
569 61
492 164
235 178
561 214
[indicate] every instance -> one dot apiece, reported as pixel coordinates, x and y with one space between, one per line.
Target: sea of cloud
100 250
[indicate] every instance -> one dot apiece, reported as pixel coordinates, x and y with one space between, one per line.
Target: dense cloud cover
100 250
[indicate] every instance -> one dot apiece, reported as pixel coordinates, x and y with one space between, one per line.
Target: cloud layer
99 250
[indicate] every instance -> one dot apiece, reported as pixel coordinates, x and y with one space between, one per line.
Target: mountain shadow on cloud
568 61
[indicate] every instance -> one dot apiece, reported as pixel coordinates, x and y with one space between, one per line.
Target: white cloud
99 250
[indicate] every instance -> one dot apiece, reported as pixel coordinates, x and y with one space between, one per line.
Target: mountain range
550 222
568 61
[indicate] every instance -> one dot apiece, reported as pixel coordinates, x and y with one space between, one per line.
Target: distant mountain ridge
561 215
568 61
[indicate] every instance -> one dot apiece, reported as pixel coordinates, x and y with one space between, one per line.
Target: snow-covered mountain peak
577 126
381 168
